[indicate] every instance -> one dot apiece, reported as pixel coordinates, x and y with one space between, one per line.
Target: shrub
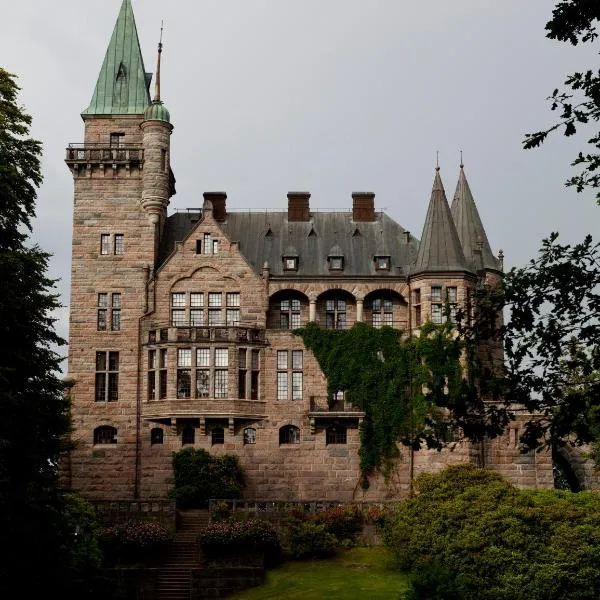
221 511
311 540
344 522
135 541
198 477
470 534
222 540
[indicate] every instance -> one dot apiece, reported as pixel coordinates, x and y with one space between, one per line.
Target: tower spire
157 81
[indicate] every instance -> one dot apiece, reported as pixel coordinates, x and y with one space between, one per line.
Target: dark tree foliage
578 104
552 342
34 410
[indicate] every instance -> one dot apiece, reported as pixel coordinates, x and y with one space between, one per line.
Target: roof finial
437 160
157 80
461 160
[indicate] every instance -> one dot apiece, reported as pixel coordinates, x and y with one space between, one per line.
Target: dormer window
335 259
382 263
290 259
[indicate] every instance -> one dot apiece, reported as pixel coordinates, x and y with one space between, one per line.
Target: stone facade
181 328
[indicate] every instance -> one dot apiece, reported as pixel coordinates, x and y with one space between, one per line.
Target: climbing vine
416 391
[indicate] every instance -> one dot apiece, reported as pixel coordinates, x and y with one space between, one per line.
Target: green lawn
355 574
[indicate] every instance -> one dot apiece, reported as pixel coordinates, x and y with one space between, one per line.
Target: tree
34 411
576 21
552 342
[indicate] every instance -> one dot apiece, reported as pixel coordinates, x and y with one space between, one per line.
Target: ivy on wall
417 391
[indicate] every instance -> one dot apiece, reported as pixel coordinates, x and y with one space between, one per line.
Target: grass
353 575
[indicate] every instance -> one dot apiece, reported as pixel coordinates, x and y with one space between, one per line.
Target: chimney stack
298 207
363 206
218 200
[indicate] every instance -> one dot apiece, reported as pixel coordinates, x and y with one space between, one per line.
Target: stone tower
123 183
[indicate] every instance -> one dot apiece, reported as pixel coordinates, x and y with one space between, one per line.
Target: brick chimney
298 207
363 206
218 200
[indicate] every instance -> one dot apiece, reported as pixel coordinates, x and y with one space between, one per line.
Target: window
214 308
436 293
151 374
436 304
335 434
117 140
115 310
178 309
451 299
249 436
196 309
207 243
119 244
290 263
233 309
102 311
115 321
217 436
336 263
242 370
335 314
105 434
105 243
156 436
289 374
198 246
417 306
188 435
338 398
107 377
215 246
289 434
382 263
184 372
254 374
289 313
162 374
382 311
163 159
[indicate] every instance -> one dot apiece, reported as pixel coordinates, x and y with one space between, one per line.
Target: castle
181 324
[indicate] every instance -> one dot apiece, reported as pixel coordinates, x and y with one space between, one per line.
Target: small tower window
382 263
290 259
335 259
163 159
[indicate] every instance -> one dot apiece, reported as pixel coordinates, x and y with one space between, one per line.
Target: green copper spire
122 87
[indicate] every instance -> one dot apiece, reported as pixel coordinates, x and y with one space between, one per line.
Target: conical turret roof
471 233
440 248
123 84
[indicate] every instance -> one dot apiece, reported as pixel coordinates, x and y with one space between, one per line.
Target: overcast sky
329 96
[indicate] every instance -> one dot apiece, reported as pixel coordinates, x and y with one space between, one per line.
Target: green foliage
413 391
134 542
576 21
200 477
471 535
311 540
221 511
35 418
224 540
344 522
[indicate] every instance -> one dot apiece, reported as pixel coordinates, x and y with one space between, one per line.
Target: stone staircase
174 575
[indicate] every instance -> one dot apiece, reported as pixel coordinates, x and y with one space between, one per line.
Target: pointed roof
440 248
122 87
471 233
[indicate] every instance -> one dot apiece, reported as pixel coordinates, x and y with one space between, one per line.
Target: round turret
157 111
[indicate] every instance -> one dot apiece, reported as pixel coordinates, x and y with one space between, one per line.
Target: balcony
203 407
205 334
83 154
322 406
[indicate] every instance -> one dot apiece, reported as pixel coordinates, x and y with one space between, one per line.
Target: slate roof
123 84
470 228
266 237
440 248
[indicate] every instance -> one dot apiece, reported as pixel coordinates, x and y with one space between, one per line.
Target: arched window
217 435
249 435
105 434
335 434
188 435
289 434
156 436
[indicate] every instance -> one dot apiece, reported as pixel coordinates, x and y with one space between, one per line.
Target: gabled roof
469 227
440 249
328 229
122 86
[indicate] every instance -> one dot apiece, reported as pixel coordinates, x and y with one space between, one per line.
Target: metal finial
461 160
157 80
437 160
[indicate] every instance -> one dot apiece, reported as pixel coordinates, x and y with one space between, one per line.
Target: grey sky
329 96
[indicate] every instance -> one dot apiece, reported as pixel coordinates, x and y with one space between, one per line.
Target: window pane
215 247
282 359
388 305
113 387
221 357
196 299
341 305
436 293
255 357
152 359
162 384
163 359
203 357
105 243
116 300
214 299
254 375
102 319
285 305
188 435
178 317
249 435
233 299
341 320
451 294
241 384
233 317
330 305
100 389
151 385
184 357
297 359
295 320
214 317
202 383
242 358
178 300
282 386
376 319
102 300
119 243
156 436
113 361
296 386
115 323
388 319
217 435
207 243
183 383
196 317
436 313
221 381
377 304
284 321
